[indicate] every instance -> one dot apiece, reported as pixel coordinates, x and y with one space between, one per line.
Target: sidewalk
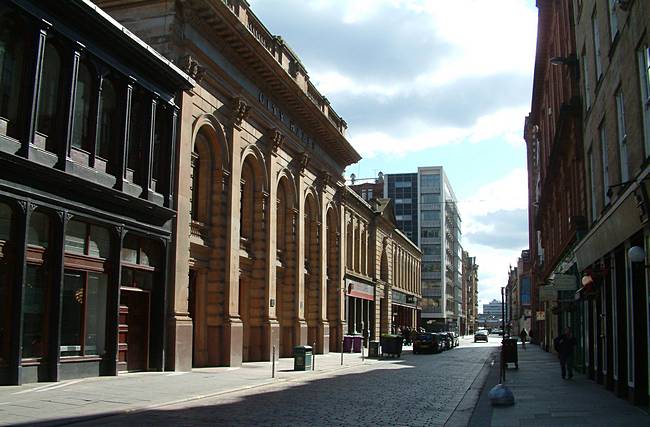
104 396
543 398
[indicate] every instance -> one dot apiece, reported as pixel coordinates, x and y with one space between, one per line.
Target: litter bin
509 351
373 349
302 356
347 343
358 341
391 344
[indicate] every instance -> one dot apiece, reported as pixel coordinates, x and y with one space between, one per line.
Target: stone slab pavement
413 390
543 398
103 396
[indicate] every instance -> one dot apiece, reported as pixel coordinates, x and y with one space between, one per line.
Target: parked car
453 336
445 340
427 342
497 331
481 335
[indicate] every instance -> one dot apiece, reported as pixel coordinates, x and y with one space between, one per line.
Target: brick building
556 184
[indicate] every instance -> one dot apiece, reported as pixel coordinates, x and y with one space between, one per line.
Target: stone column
180 327
233 328
271 330
323 334
341 273
300 331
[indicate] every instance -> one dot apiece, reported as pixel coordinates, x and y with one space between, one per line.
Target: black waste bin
391 344
373 349
509 351
302 357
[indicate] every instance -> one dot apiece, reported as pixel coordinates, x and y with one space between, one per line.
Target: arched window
49 98
201 182
84 97
108 119
247 216
12 49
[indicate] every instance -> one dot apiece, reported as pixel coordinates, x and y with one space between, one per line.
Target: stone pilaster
179 324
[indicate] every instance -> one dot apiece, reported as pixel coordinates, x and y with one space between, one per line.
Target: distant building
470 294
426 212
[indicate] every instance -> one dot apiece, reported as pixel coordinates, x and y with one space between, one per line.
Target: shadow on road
413 390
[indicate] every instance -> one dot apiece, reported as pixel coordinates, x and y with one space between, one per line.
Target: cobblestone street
415 390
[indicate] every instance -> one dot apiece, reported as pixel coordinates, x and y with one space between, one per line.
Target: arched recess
312 266
286 263
334 295
252 260
208 216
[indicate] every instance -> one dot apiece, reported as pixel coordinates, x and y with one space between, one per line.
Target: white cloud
509 193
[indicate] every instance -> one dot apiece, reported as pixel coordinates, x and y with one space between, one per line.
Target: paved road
416 390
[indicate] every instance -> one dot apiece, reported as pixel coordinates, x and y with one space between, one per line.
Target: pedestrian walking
564 345
523 335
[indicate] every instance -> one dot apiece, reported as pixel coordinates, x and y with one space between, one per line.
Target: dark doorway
134 330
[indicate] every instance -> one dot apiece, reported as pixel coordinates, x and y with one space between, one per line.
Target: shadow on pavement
413 390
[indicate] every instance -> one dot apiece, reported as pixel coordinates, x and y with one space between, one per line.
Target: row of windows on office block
85 288
100 102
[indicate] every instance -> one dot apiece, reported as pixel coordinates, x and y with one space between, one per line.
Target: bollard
273 364
313 357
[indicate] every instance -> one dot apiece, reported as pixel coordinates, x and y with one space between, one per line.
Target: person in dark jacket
564 345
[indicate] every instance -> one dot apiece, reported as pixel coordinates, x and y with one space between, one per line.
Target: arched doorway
312 268
252 260
206 279
334 294
286 265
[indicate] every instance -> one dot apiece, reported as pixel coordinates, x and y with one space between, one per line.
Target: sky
429 83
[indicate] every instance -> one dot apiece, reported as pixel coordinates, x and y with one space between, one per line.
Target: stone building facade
382 269
470 294
614 45
258 234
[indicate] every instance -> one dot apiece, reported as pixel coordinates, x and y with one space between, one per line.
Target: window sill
72 359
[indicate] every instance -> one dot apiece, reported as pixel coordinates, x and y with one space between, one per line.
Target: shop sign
565 282
360 290
540 315
547 293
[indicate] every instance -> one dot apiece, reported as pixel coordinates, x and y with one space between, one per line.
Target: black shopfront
87 142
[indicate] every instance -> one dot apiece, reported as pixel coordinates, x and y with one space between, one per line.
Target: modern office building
426 212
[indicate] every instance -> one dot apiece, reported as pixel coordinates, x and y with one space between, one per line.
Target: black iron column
22 228
110 360
56 263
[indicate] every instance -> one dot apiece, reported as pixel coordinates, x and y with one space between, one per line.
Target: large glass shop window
6 267
35 291
83 320
84 294
12 54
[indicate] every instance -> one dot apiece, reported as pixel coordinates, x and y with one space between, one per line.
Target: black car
481 335
445 340
453 337
427 342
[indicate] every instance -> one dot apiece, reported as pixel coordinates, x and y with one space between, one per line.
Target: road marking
34 389
65 384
